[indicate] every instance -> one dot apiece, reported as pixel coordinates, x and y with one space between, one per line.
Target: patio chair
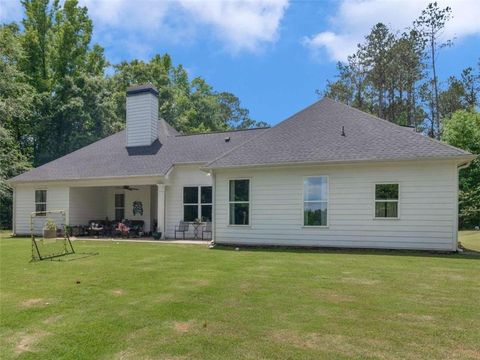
181 228
207 229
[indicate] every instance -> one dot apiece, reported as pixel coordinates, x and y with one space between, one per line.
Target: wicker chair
181 228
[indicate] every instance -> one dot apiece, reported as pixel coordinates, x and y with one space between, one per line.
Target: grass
153 301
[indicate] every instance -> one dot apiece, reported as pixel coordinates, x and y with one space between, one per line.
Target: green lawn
153 301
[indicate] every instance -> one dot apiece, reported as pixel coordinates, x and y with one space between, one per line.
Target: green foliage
50 225
12 163
463 130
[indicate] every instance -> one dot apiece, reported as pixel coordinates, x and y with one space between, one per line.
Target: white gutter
468 157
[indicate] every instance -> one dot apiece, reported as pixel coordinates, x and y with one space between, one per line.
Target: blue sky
272 54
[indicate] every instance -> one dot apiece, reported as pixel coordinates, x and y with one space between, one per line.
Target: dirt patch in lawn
34 302
415 317
182 326
129 355
335 297
52 319
186 284
467 353
331 343
28 342
118 292
360 281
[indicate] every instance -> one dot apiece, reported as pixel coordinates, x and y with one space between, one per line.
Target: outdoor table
196 226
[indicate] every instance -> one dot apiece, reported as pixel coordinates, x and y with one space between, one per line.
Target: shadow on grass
466 254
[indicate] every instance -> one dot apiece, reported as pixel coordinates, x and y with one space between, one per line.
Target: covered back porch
139 209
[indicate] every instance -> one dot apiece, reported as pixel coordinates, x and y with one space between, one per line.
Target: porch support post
161 209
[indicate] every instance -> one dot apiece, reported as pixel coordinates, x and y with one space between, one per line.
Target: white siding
427 207
182 175
142 195
87 203
142 119
57 199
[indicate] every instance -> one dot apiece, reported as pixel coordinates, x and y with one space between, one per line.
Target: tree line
56 96
394 76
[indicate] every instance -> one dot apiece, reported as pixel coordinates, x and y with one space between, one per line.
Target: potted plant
50 229
157 235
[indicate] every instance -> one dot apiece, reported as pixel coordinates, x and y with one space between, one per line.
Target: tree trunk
435 88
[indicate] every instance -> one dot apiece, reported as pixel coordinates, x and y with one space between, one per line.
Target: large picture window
40 202
386 200
315 201
197 203
239 202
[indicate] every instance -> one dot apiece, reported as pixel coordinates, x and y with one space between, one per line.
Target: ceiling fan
129 188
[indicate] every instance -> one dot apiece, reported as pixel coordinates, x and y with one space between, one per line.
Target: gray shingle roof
314 135
110 158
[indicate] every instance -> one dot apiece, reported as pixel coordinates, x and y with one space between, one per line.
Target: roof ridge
223 131
262 133
400 127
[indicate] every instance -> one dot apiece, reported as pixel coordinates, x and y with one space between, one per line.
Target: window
315 201
206 203
195 206
239 202
40 202
119 207
386 200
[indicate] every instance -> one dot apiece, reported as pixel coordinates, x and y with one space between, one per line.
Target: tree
430 24
12 163
72 33
407 67
375 56
453 98
36 41
471 87
463 130
350 88
16 94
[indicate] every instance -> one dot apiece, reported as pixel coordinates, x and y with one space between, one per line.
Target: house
329 175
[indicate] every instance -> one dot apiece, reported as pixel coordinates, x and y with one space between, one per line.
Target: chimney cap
140 89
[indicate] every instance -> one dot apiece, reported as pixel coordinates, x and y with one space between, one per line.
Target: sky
272 54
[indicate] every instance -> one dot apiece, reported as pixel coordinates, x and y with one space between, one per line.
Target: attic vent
227 139
343 131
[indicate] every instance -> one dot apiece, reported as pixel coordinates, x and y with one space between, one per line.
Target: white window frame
375 200
316 201
40 202
249 202
199 199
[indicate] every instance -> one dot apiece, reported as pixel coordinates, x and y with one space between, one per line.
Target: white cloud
354 19
239 24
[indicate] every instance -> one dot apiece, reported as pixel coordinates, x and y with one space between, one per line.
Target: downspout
214 215
14 210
